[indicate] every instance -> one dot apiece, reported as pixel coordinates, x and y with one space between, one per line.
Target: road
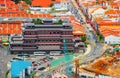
4 59
96 48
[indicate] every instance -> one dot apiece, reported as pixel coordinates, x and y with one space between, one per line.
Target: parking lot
40 63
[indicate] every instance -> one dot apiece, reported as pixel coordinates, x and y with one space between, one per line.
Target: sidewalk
88 49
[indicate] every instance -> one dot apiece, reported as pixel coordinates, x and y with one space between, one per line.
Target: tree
97 1
37 21
59 21
28 2
16 1
51 5
83 38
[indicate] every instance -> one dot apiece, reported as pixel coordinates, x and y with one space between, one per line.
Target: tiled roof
110 12
42 3
77 28
9 4
113 16
45 3
10 29
23 5
28 15
109 30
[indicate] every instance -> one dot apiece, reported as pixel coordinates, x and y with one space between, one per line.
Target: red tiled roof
22 14
109 30
9 4
77 28
45 3
10 29
110 12
42 3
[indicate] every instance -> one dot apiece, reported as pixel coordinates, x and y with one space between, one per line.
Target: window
54 32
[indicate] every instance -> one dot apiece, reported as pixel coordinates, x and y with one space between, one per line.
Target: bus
39 53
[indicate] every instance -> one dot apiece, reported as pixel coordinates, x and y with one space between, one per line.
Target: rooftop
109 30
18 66
45 3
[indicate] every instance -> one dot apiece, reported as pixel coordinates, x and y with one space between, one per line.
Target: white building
61 5
111 39
38 10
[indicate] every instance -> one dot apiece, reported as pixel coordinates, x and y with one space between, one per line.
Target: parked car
42 68
49 58
44 60
39 63
34 64
17 58
34 68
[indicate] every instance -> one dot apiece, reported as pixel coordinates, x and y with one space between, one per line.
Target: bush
37 21
59 22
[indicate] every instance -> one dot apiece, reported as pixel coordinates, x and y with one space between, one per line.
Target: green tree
16 1
28 2
97 1
37 21
51 5
59 22
83 38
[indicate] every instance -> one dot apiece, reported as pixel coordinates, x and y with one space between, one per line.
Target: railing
17 48
49 43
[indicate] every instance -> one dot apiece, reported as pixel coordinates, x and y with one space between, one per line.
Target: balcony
49 47
29 35
49 43
49 35
69 48
16 48
16 42
30 48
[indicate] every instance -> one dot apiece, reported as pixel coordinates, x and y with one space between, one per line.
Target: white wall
112 39
62 5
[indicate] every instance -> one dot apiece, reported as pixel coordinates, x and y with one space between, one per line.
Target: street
4 59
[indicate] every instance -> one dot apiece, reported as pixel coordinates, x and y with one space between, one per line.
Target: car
17 58
5 44
21 55
48 58
44 60
34 68
39 63
42 68
83 76
34 64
